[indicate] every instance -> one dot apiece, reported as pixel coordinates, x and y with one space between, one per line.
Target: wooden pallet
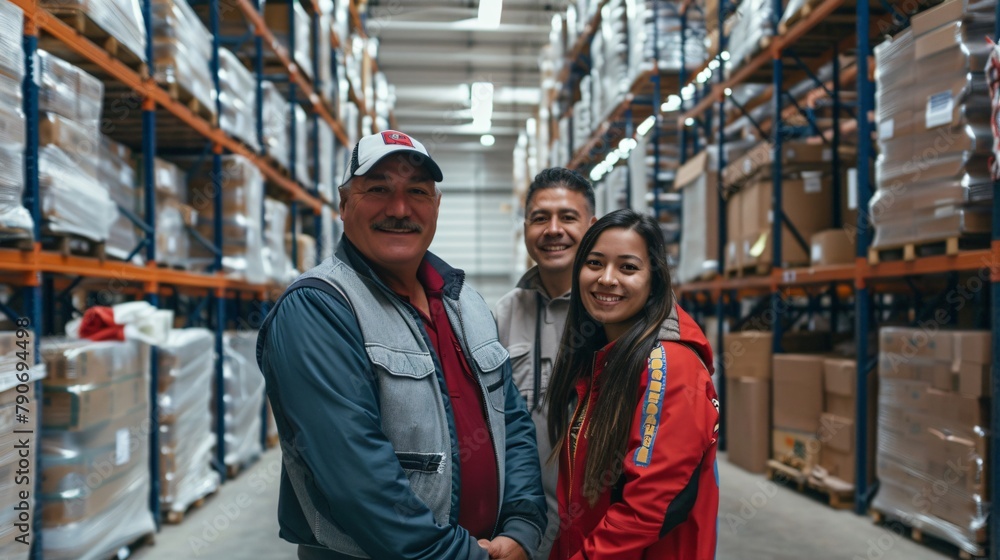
177 517
181 94
149 539
80 21
918 535
16 238
792 476
744 271
70 244
949 246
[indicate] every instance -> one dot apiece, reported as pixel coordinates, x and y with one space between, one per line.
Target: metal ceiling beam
376 27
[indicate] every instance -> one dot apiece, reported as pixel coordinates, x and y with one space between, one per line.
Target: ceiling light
728 92
724 56
689 122
612 159
673 103
487 140
713 64
646 125
489 13
482 105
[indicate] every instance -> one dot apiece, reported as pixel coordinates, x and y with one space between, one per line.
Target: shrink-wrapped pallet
302 148
11 53
325 164
932 173
187 440
15 220
276 113
278 21
242 228
243 398
183 51
238 98
67 91
933 428
752 30
117 173
277 265
95 448
173 243
121 19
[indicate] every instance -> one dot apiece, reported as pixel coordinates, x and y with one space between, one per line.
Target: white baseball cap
375 147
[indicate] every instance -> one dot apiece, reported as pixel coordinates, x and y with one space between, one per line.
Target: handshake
503 548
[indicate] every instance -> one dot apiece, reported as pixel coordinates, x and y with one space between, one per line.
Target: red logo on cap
397 138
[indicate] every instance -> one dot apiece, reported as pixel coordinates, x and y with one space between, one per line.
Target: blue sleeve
522 514
314 357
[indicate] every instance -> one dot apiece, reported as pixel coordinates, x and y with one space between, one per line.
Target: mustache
397 225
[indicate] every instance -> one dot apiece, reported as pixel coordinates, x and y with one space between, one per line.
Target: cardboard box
700 237
938 16
798 392
831 246
948 346
757 163
838 464
807 206
798 449
840 387
748 416
747 354
92 363
79 408
837 433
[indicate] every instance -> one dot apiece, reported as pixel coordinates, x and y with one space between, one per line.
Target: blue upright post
33 293
258 75
656 112
629 133
720 305
292 95
295 235
220 316
862 303
682 81
835 142
777 223
994 447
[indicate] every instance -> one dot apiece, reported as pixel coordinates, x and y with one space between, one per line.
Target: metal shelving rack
862 280
221 301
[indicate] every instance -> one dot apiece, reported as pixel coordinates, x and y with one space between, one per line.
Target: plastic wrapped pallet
242 230
751 31
183 51
173 243
121 19
668 39
277 17
932 175
95 448
329 235
697 181
302 151
73 199
116 172
324 57
15 220
10 547
277 265
306 250
238 98
323 167
933 426
11 53
276 118
68 91
186 367
244 397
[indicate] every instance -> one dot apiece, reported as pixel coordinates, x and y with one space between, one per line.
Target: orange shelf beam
962 262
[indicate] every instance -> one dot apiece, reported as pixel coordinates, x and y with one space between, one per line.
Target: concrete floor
756 522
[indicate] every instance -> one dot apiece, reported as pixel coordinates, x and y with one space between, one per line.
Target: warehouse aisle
239 523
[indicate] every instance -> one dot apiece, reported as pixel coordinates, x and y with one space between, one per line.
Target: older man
402 433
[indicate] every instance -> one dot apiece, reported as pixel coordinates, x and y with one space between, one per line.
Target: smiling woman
630 360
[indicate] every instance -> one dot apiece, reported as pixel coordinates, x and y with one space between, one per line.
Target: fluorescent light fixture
596 174
673 103
482 105
724 56
487 140
728 92
489 13
612 158
531 125
702 78
688 92
714 64
625 145
689 121
647 124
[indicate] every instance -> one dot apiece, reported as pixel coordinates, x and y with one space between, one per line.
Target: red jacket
666 502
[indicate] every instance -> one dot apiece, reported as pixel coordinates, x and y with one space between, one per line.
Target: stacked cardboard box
933 426
278 21
244 397
238 99
697 181
798 402
807 196
95 447
932 174
747 357
186 437
173 243
73 199
242 227
183 51
121 19
839 419
10 547
117 173
15 220
832 246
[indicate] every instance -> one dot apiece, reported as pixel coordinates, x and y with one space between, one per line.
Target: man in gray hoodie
559 208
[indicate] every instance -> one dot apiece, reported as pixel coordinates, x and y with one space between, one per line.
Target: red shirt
479 494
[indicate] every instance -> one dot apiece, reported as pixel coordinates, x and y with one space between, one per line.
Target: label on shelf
789 275
886 129
939 109
122 451
852 188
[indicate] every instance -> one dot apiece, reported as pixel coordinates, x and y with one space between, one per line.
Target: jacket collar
453 278
532 280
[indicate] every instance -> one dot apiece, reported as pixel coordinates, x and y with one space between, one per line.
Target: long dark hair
618 387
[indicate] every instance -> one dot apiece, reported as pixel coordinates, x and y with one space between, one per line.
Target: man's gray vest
412 393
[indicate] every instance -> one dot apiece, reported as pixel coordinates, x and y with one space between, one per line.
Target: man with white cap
402 433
